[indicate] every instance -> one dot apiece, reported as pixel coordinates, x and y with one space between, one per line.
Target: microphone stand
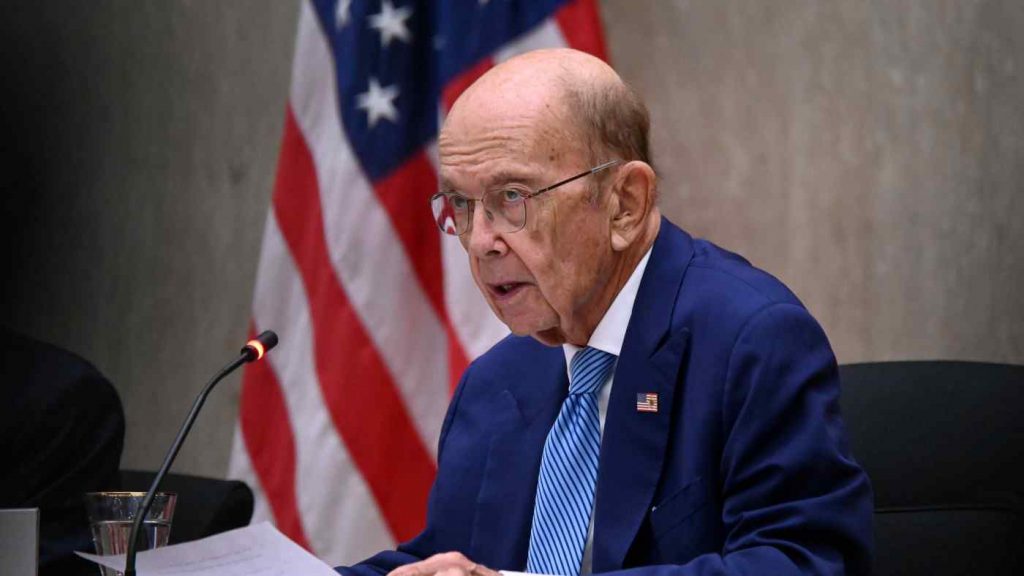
252 351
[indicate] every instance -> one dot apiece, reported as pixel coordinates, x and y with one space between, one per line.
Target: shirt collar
611 330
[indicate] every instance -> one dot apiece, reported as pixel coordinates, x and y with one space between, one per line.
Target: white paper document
257 550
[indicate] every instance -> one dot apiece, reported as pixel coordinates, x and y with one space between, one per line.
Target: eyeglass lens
505 210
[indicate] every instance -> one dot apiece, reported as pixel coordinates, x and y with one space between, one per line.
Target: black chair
205 506
943 443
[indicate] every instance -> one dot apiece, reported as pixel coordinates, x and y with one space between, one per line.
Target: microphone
252 351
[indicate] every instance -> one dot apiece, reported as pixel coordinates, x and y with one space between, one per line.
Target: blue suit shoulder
514 363
727 278
716 293
509 355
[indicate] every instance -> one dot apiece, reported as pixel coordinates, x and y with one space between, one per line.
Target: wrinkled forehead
497 151
515 132
492 126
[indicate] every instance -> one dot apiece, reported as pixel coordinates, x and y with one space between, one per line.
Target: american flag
378 315
647 402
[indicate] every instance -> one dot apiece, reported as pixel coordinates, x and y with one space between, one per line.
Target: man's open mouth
506 289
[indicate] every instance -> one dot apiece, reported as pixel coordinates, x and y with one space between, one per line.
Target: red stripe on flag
267 432
405 194
364 404
580 21
459 84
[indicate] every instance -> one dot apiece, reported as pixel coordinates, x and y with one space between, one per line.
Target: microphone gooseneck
252 351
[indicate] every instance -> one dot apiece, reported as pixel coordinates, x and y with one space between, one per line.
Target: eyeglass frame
532 194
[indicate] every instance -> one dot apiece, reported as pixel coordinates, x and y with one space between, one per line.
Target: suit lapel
633 444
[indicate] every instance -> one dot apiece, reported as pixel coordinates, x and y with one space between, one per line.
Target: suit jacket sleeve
793 500
423 545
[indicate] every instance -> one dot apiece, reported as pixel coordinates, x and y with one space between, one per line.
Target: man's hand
447 564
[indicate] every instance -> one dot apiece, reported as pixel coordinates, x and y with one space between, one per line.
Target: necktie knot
589 369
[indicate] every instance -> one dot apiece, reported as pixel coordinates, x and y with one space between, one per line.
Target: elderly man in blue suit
661 407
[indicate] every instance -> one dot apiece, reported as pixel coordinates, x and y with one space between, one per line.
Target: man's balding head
527 124
582 91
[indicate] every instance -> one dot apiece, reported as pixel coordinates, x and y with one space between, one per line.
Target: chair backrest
205 506
943 443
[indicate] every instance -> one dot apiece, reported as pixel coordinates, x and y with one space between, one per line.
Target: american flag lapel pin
647 402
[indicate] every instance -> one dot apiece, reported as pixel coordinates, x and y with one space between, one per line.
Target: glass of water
111 515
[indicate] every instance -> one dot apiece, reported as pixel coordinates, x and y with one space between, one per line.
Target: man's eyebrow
444 185
506 176
503 176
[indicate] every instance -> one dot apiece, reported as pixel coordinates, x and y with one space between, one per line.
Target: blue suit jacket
744 469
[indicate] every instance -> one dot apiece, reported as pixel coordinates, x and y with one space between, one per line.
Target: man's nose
482 240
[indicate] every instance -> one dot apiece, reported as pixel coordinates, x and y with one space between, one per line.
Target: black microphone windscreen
255 349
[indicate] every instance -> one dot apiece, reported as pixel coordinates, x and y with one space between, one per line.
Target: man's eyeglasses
504 208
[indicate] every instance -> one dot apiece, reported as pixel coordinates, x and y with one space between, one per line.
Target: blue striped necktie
568 471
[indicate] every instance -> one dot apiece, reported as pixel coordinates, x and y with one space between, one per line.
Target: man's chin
551 336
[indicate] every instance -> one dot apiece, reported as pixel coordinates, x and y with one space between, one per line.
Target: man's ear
631 202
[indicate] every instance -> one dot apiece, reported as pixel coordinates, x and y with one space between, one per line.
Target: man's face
550 279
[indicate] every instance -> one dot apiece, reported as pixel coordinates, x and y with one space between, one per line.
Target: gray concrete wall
870 154
139 147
